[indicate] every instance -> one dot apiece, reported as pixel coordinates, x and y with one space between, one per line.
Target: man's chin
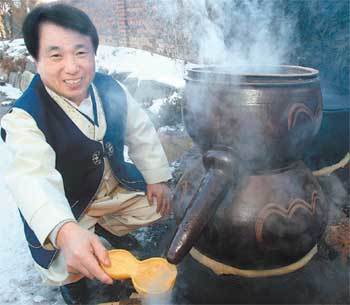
75 98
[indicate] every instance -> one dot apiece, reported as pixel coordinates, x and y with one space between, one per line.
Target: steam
233 32
164 299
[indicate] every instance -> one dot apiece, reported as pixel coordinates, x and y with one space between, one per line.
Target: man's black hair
60 14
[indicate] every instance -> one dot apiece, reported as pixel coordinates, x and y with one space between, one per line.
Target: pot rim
226 74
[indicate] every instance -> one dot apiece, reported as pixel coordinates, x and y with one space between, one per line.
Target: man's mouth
72 82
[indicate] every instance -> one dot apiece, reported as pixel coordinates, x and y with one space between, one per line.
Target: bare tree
5 19
12 13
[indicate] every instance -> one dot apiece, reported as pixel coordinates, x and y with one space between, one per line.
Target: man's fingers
80 269
150 198
160 202
166 208
73 271
160 192
161 207
95 269
100 252
85 272
165 205
99 256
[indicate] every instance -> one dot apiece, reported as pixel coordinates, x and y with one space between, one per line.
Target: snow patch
156 105
14 48
10 91
141 64
38 299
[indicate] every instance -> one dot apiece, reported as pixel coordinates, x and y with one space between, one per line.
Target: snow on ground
20 284
142 65
158 103
10 92
14 48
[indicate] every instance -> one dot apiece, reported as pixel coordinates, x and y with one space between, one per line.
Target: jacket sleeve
31 176
145 149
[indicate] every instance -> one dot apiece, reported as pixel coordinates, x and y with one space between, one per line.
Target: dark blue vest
78 158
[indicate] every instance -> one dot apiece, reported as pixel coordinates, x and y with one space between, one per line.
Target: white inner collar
84 107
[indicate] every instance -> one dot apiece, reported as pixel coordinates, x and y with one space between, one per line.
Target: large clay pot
267 115
332 141
251 204
269 220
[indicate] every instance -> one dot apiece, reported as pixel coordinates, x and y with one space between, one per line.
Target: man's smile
73 84
73 81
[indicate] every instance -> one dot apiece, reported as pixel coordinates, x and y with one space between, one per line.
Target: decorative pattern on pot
283 222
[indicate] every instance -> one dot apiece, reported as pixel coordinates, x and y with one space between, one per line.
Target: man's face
66 61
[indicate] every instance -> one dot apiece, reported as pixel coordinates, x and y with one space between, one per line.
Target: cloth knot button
109 149
96 158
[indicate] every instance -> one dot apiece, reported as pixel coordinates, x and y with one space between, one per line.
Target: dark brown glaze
267 120
212 189
259 207
266 221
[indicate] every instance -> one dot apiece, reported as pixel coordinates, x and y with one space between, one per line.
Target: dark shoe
75 293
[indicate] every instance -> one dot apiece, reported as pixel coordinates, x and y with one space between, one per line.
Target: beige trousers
118 211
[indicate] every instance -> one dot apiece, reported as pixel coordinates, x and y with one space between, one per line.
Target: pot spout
219 164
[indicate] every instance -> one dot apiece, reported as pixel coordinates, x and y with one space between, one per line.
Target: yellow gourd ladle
150 276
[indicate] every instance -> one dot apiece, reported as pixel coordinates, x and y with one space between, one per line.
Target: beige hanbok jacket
35 183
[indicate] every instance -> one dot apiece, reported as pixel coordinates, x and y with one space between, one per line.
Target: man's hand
161 194
83 252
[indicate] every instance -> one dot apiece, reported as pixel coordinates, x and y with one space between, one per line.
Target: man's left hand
160 193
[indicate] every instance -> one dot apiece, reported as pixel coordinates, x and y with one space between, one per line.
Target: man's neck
73 103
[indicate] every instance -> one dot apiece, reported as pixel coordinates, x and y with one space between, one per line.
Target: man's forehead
59 47
54 31
53 37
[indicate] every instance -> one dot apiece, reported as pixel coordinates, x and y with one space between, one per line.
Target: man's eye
55 56
81 53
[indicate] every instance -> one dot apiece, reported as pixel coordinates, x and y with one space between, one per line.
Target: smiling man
66 135
66 61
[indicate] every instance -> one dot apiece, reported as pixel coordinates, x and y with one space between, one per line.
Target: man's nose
71 65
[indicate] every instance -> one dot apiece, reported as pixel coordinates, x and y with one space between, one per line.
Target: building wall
134 23
129 23
140 27
104 15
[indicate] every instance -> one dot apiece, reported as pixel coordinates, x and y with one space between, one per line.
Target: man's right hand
83 252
